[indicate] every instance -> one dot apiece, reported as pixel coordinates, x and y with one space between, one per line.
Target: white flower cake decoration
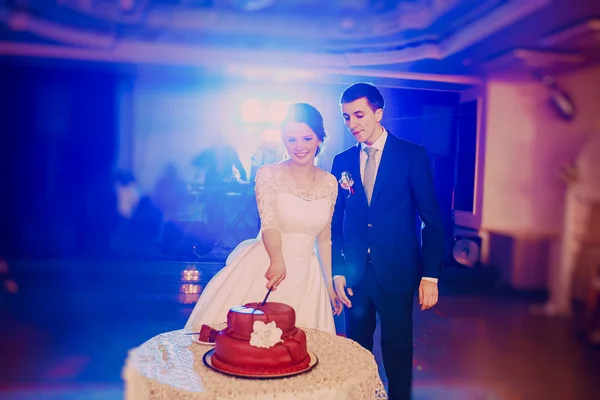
265 336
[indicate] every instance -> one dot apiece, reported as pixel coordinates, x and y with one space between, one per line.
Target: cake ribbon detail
264 335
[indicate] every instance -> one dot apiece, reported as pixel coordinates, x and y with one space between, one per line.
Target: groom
377 259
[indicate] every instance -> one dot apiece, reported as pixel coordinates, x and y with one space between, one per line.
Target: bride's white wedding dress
303 220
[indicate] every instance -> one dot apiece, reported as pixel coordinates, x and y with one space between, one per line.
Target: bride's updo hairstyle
309 115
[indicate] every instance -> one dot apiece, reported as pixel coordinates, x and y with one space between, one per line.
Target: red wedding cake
261 339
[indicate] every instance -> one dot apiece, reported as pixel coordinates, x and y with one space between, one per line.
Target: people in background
139 224
222 164
223 171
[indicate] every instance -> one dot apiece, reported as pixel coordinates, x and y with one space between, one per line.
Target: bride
295 202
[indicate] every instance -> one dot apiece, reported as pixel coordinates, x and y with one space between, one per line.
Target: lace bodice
283 206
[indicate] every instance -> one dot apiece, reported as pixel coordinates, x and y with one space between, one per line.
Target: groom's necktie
370 172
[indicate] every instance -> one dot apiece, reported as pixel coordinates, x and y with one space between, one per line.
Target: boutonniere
346 182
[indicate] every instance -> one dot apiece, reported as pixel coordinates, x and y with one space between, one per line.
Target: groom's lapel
385 172
359 189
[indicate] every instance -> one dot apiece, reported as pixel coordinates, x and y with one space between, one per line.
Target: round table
170 366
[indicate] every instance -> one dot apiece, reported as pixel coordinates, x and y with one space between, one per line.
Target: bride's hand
275 274
336 304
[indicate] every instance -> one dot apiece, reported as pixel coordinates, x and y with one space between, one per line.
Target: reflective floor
66 328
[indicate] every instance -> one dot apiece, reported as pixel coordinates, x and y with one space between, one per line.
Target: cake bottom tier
238 356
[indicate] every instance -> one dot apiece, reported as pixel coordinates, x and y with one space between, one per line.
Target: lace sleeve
324 238
332 193
265 197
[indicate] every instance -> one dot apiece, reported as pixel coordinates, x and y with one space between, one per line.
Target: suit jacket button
370 225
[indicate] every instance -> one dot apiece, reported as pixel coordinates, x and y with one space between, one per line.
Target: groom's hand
339 282
428 294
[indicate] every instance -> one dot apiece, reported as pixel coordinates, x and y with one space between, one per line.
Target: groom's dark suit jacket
403 188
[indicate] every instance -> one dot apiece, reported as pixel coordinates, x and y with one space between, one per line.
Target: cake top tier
271 307
240 319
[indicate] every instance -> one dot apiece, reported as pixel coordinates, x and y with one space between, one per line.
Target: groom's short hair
363 89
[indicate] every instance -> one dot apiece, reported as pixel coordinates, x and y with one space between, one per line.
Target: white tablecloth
170 366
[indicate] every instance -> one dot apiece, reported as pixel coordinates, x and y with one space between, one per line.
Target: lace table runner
169 366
